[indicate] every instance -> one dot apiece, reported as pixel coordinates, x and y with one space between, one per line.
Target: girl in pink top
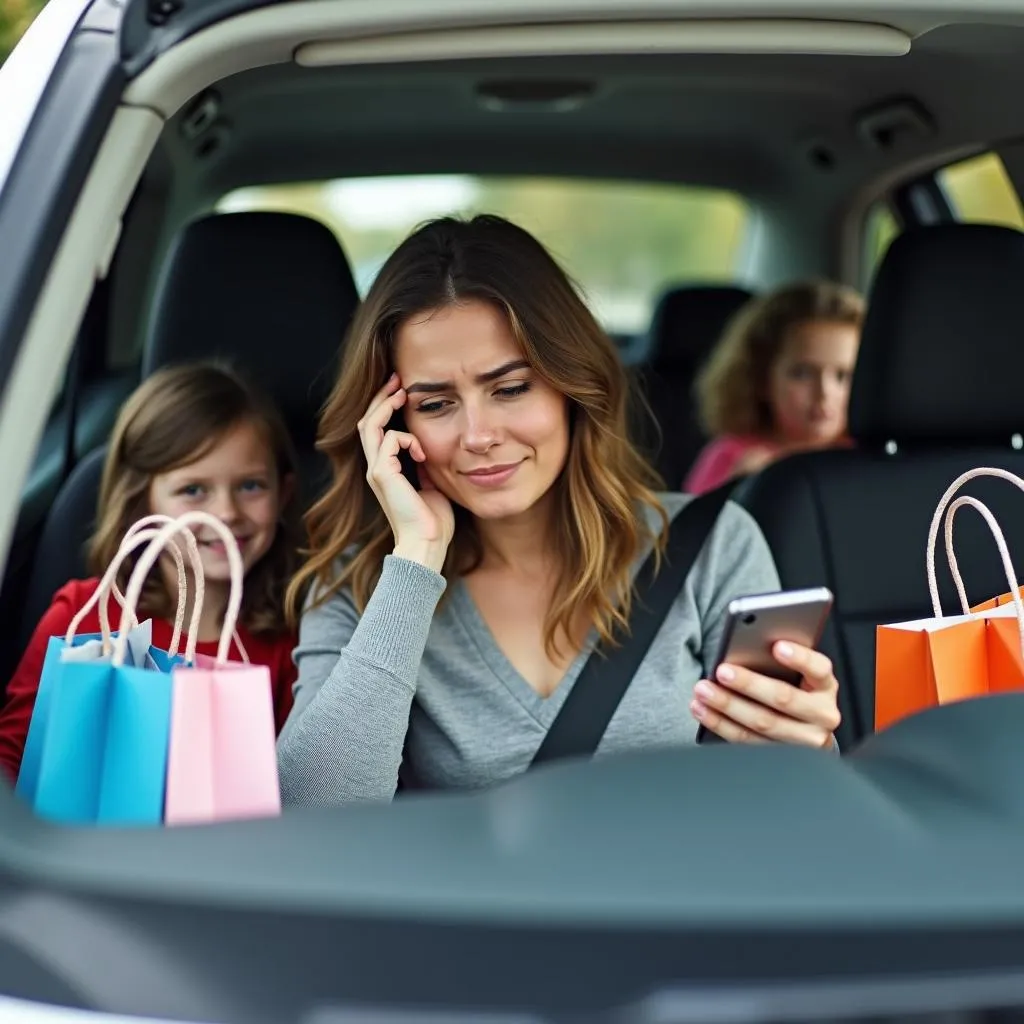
778 381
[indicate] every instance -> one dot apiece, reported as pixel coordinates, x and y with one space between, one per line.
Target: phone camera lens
749 619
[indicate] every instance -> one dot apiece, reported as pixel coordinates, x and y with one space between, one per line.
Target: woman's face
809 384
495 435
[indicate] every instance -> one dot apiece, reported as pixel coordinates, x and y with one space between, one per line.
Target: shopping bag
61 651
1004 646
91 647
147 529
222 760
96 746
989 471
928 662
165 660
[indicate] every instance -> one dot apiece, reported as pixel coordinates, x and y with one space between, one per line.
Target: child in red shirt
195 436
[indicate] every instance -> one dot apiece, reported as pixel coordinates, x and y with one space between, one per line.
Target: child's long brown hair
732 390
601 493
175 417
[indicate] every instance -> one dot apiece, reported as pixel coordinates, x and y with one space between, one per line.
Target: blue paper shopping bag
96 749
103 748
28 775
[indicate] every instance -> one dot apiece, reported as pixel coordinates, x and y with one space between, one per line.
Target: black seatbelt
580 724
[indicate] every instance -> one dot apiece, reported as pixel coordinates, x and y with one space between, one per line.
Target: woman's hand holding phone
422 521
743 706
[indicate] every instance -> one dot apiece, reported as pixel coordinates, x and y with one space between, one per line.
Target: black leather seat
271 292
937 391
686 325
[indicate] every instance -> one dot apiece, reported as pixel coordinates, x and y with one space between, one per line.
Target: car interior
831 155
886 152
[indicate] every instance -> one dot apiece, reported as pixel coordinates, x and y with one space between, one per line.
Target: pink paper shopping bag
222 763
222 759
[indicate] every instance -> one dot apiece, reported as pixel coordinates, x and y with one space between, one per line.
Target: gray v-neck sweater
409 686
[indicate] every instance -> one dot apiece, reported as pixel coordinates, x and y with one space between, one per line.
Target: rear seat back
937 391
271 292
686 325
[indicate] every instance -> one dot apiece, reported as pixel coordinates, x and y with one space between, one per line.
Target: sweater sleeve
23 685
357 676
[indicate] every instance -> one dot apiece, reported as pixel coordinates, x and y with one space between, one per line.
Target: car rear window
622 242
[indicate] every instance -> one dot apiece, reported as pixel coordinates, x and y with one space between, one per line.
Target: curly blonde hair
731 390
601 493
174 417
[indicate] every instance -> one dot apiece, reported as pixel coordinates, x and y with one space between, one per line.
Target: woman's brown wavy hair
174 417
601 493
732 389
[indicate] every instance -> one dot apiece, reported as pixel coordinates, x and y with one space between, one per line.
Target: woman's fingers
730 731
386 464
817 670
745 706
372 426
421 519
739 720
380 399
815 705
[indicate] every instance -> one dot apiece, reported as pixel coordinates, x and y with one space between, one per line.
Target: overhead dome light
555 96
737 35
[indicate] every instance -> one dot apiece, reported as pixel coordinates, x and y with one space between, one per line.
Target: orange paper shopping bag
928 662
222 760
1005 640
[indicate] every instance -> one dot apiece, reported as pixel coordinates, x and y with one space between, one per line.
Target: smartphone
408 463
753 625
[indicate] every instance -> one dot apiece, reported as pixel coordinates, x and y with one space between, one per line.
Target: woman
486 517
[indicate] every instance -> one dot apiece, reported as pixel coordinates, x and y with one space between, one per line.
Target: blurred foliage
981 192
621 242
15 17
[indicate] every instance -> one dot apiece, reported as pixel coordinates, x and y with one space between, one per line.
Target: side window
880 228
15 17
623 242
980 192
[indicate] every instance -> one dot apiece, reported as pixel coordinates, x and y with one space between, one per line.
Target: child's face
236 481
809 385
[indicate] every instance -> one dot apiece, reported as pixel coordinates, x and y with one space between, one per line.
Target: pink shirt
717 462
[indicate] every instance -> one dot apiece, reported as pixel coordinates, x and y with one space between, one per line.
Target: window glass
980 191
15 17
879 231
623 243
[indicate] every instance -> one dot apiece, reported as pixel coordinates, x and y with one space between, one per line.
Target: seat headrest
942 349
272 292
687 323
